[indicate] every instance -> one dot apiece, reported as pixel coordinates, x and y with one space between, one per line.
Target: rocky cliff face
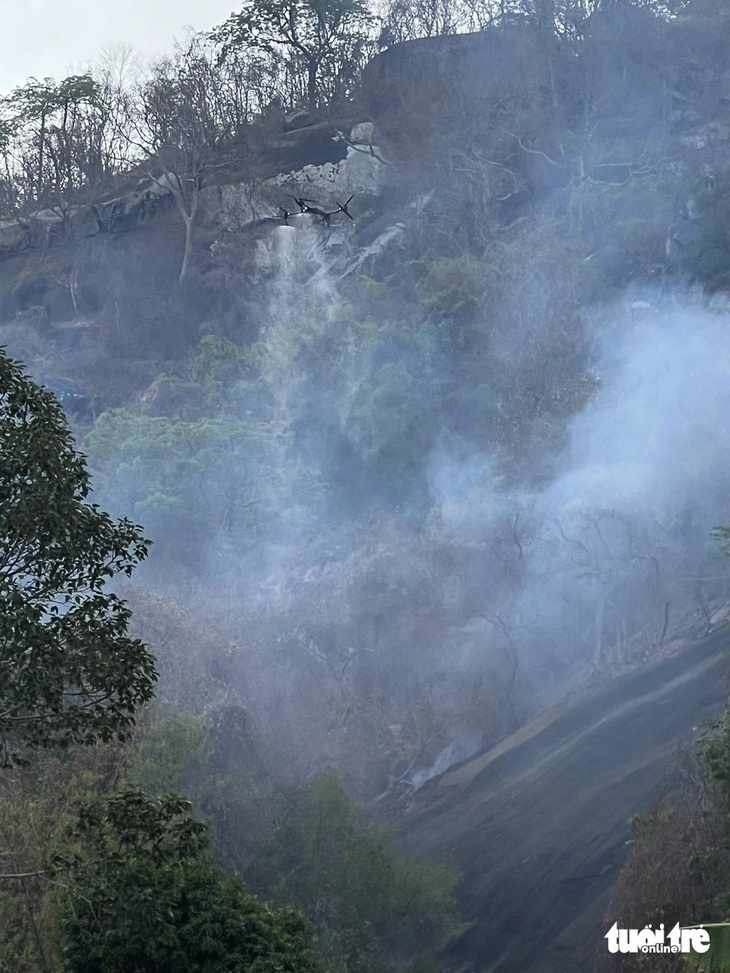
421 84
64 271
461 133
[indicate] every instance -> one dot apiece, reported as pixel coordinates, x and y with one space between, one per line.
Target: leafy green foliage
145 897
164 751
186 917
191 481
450 288
385 414
322 36
131 824
217 463
37 99
345 873
219 364
310 26
70 672
38 805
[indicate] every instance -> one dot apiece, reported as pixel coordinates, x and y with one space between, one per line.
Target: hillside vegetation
404 335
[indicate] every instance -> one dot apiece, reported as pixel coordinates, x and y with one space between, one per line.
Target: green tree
145 897
321 35
368 901
38 804
69 672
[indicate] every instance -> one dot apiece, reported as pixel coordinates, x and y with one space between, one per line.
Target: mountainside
419 392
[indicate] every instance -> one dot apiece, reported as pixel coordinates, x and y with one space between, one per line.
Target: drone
306 206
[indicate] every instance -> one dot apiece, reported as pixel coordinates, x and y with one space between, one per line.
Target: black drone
308 206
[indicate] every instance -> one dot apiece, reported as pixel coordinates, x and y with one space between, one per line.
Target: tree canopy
70 673
317 33
144 896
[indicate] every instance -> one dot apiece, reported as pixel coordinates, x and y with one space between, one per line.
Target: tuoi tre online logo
648 940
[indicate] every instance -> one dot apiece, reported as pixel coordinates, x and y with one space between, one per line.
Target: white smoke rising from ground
462 746
462 485
626 526
657 436
620 539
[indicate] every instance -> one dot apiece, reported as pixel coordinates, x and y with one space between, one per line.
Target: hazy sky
54 37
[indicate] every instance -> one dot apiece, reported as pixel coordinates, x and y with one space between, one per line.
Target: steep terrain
538 824
429 438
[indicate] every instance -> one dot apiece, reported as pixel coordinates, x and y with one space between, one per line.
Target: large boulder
438 78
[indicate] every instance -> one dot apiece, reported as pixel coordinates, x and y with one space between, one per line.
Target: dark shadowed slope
538 824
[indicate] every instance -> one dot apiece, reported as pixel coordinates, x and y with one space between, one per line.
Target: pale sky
53 38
